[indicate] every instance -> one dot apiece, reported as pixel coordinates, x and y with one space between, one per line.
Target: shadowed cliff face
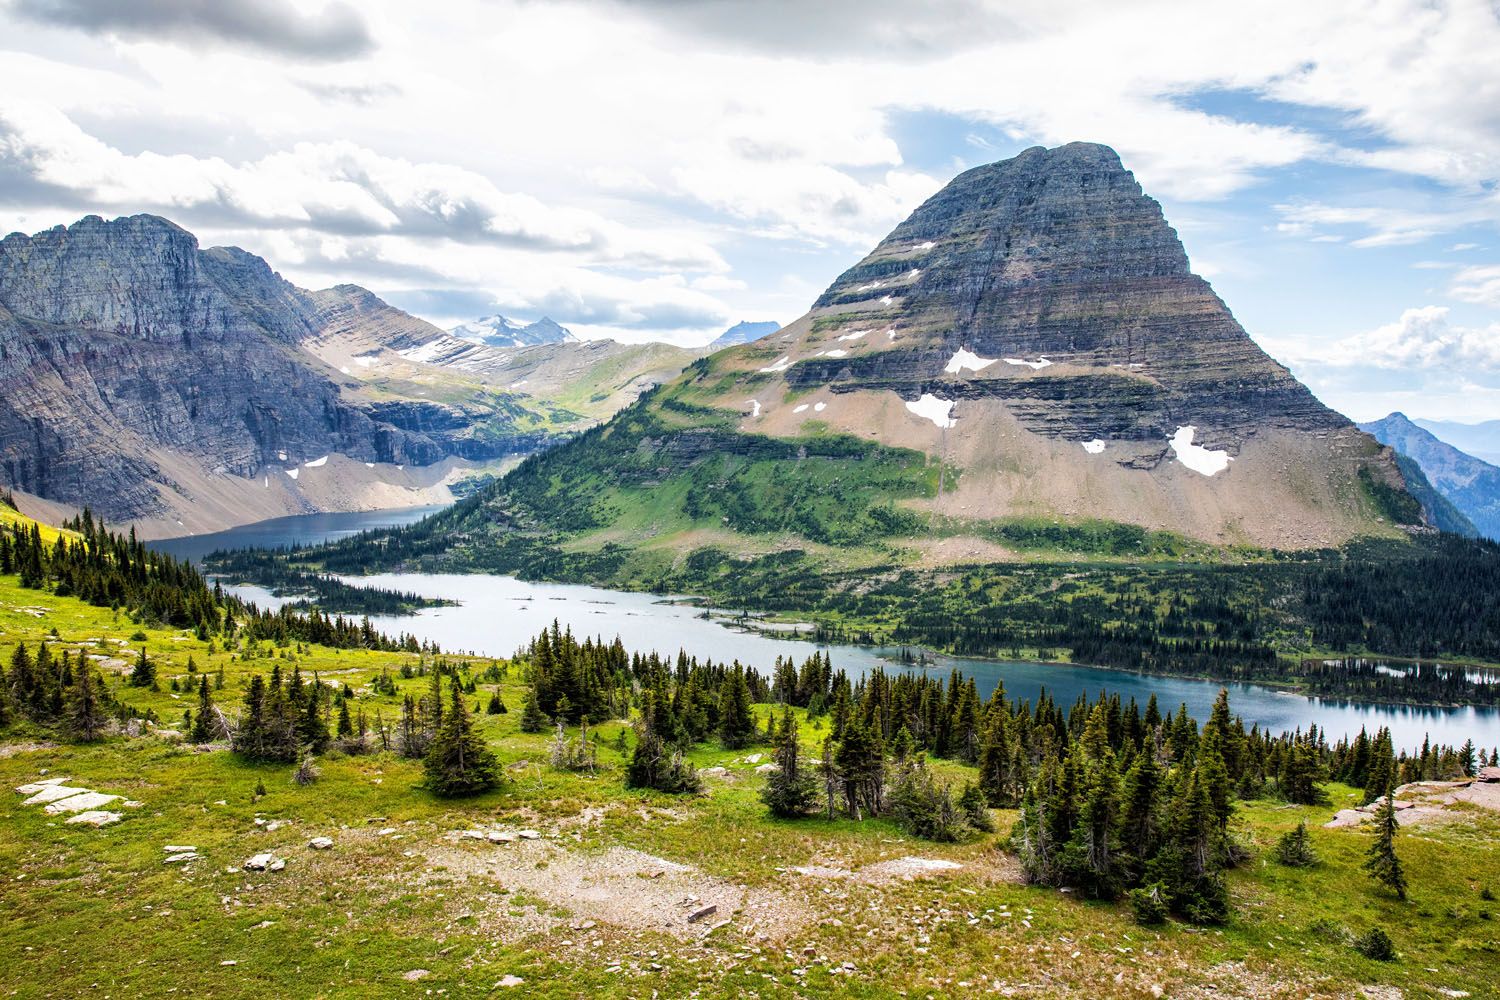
122 343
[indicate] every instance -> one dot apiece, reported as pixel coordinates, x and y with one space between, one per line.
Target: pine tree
533 719
736 721
791 790
458 762
144 674
346 725
203 729
495 706
1294 849
1381 862
85 706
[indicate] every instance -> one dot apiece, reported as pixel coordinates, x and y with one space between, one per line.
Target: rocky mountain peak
499 331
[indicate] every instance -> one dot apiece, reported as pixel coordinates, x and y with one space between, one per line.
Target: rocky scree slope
1029 347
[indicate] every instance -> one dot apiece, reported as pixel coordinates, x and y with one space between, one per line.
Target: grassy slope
96 912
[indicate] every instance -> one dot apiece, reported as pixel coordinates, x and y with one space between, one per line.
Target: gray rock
123 340
320 843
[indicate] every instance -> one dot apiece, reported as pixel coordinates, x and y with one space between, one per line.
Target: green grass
96 912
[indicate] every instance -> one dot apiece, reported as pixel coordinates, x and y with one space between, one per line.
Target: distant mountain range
1471 485
182 389
498 331
1482 440
744 332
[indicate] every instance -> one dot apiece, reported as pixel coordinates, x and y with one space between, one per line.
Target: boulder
1488 774
259 863
320 843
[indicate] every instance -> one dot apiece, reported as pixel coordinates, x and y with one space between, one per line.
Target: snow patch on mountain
966 360
1201 460
929 407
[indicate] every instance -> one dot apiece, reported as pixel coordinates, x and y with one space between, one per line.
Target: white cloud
331 186
1423 338
1480 285
637 139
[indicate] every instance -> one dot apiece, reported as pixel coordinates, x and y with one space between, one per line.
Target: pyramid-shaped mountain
1028 355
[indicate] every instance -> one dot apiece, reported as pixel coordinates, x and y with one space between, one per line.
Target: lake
499 614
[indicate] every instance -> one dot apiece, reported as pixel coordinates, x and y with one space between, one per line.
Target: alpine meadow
434 561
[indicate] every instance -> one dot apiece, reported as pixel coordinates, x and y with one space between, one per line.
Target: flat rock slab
96 817
259 862
177 859
179 848
31 788
52 793
501 837
320 843
80 803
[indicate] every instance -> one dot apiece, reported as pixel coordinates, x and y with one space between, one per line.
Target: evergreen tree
345 728
654 764
85 706
203 730
1381 862
533 719
791 790
144 674
458 762
1294 849
736 721
495 706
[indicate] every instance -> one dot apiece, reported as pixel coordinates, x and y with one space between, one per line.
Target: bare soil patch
626 888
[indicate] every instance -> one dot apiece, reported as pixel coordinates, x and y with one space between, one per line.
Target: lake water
281 532
499 614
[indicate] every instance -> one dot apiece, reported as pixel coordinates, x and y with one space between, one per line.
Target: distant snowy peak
744 332
498 331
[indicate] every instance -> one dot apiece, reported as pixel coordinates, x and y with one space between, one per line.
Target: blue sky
652 169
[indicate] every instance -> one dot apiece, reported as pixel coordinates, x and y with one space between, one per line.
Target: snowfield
1094 447
316 463
966 360
929 407
1023 363
779 366
1199 459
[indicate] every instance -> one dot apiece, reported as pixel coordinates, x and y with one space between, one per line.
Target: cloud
361 94
334 187
278 27
1422 339
1384 226
889 28
1480 285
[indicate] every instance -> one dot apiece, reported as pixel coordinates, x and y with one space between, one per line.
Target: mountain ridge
1470 484
1029 348
183 389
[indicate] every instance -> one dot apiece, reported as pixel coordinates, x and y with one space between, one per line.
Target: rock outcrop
154 380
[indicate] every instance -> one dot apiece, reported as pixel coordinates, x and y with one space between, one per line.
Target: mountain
1472 486
1481 440
497 331
1026 362
185 390
744 332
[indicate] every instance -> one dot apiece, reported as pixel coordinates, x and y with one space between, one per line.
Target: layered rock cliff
1025 357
